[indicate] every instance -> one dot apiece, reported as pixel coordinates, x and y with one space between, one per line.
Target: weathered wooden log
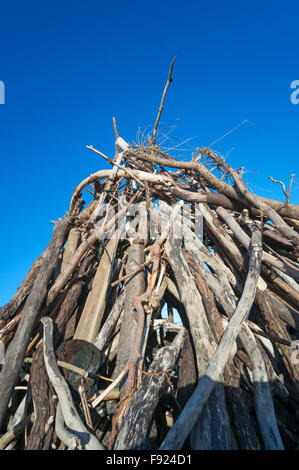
229 252
244 427
15 431
285 210
194 407
71 417
134 287
42 391
244 239
202 337
16 351
256 202
71 245
277 328
187 377
64 276
262 394
66 437
41 433
109 325
8 310
243 366
285 313
136 424
277 284
212 431
194 244
211 436
95 304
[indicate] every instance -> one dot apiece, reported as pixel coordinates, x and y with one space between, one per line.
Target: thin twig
169 80
286 193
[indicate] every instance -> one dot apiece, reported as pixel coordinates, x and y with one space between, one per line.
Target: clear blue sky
69 66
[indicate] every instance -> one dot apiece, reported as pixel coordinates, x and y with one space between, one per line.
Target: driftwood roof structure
163 315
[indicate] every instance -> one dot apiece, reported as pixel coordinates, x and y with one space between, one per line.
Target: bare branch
169 80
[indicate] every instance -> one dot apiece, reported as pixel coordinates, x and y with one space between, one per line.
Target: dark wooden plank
136 424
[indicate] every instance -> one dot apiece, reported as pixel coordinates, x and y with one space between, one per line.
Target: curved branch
192 410
70 415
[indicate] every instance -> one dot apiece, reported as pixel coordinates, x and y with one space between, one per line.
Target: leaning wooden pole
17 349
192 410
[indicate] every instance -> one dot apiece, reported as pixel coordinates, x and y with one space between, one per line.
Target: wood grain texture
94 308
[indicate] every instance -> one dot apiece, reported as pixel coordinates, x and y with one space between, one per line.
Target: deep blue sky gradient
69 66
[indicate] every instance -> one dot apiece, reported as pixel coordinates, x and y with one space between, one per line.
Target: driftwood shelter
163 314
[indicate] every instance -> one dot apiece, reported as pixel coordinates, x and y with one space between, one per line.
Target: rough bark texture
41 433
192 410
135 287
136 426
204 344
16 351
8 310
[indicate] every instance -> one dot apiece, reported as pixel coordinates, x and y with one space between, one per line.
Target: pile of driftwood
163 315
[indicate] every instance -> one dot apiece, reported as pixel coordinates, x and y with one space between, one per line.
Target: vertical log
44 407
70 247
136 425
262 396
239 413
134 287
244 427
187 372
204 343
